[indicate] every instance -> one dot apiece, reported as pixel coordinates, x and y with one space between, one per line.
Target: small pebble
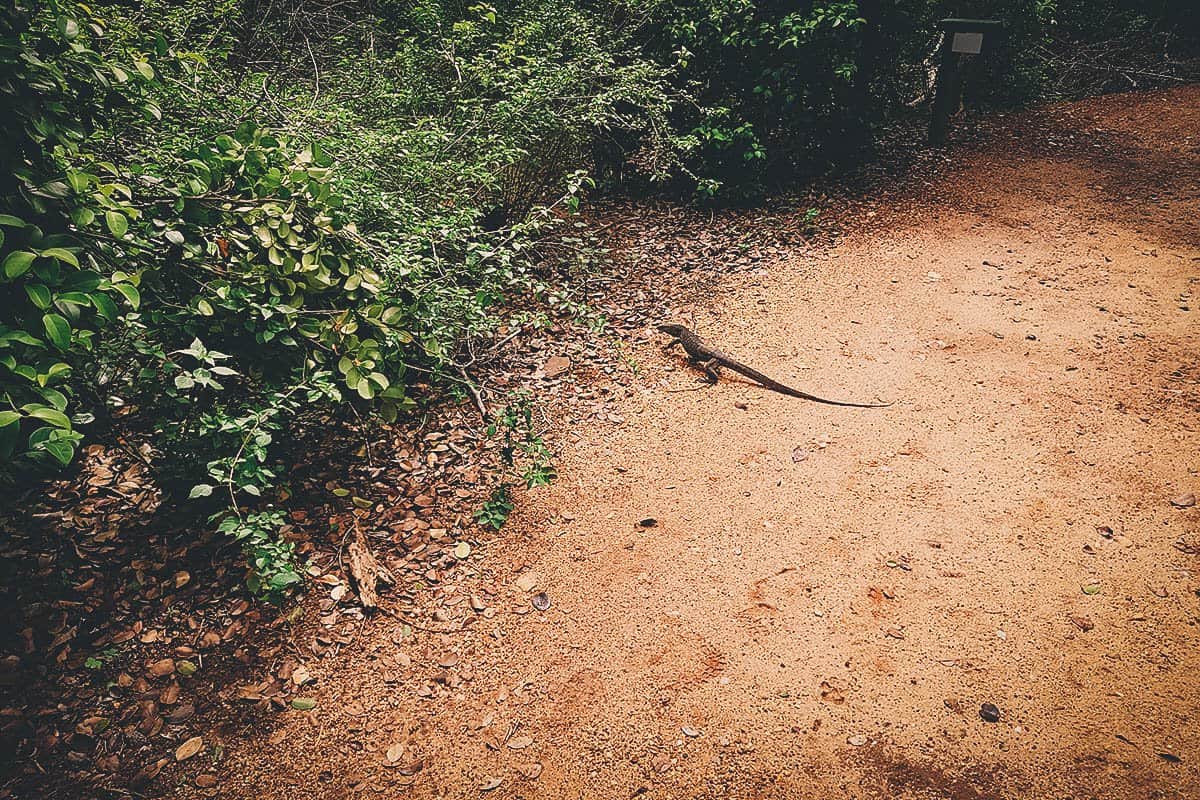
988 712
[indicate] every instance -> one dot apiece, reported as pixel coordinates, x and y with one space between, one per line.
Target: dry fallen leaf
189 748
555 366
301 675
164 667
519 742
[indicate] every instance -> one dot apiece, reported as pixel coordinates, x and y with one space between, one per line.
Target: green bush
217 292
62 211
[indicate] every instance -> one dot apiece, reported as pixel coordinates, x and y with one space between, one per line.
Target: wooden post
961 38
946 92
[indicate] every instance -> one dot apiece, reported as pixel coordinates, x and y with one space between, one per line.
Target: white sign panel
970 43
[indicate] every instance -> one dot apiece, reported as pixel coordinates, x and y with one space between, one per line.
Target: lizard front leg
669 346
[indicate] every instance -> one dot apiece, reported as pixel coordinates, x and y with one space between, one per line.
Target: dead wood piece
366 570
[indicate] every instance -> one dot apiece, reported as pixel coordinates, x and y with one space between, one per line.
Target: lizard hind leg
712 369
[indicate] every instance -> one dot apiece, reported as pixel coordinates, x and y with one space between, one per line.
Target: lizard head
671 329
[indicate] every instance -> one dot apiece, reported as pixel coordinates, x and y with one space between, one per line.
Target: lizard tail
776 386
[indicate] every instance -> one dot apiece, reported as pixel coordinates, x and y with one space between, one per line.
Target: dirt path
829 595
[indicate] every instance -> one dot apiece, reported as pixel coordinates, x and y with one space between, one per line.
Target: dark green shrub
216 292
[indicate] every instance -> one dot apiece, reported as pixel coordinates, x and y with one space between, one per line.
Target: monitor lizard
711 360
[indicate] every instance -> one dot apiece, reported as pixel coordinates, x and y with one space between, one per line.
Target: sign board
969 43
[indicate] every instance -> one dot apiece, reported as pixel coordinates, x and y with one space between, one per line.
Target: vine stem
259 419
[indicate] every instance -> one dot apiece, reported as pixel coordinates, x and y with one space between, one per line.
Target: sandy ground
829 595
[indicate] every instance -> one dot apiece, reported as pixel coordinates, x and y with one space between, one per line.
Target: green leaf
283 580
78 180
47 414
58 369
129 292
17 263
63 255
22 337
73 298
104 305
9 417
9 221
58 329
117 223
39 295
200 490
62 451
145 69
303 703
55 398
83 281
68 27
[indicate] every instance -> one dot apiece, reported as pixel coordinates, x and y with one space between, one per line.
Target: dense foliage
217 220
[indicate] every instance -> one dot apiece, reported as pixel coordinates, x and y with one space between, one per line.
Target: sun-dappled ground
758 597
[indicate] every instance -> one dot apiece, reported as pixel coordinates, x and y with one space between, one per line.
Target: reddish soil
829 595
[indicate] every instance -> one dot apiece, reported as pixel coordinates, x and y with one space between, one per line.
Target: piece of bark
366 570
